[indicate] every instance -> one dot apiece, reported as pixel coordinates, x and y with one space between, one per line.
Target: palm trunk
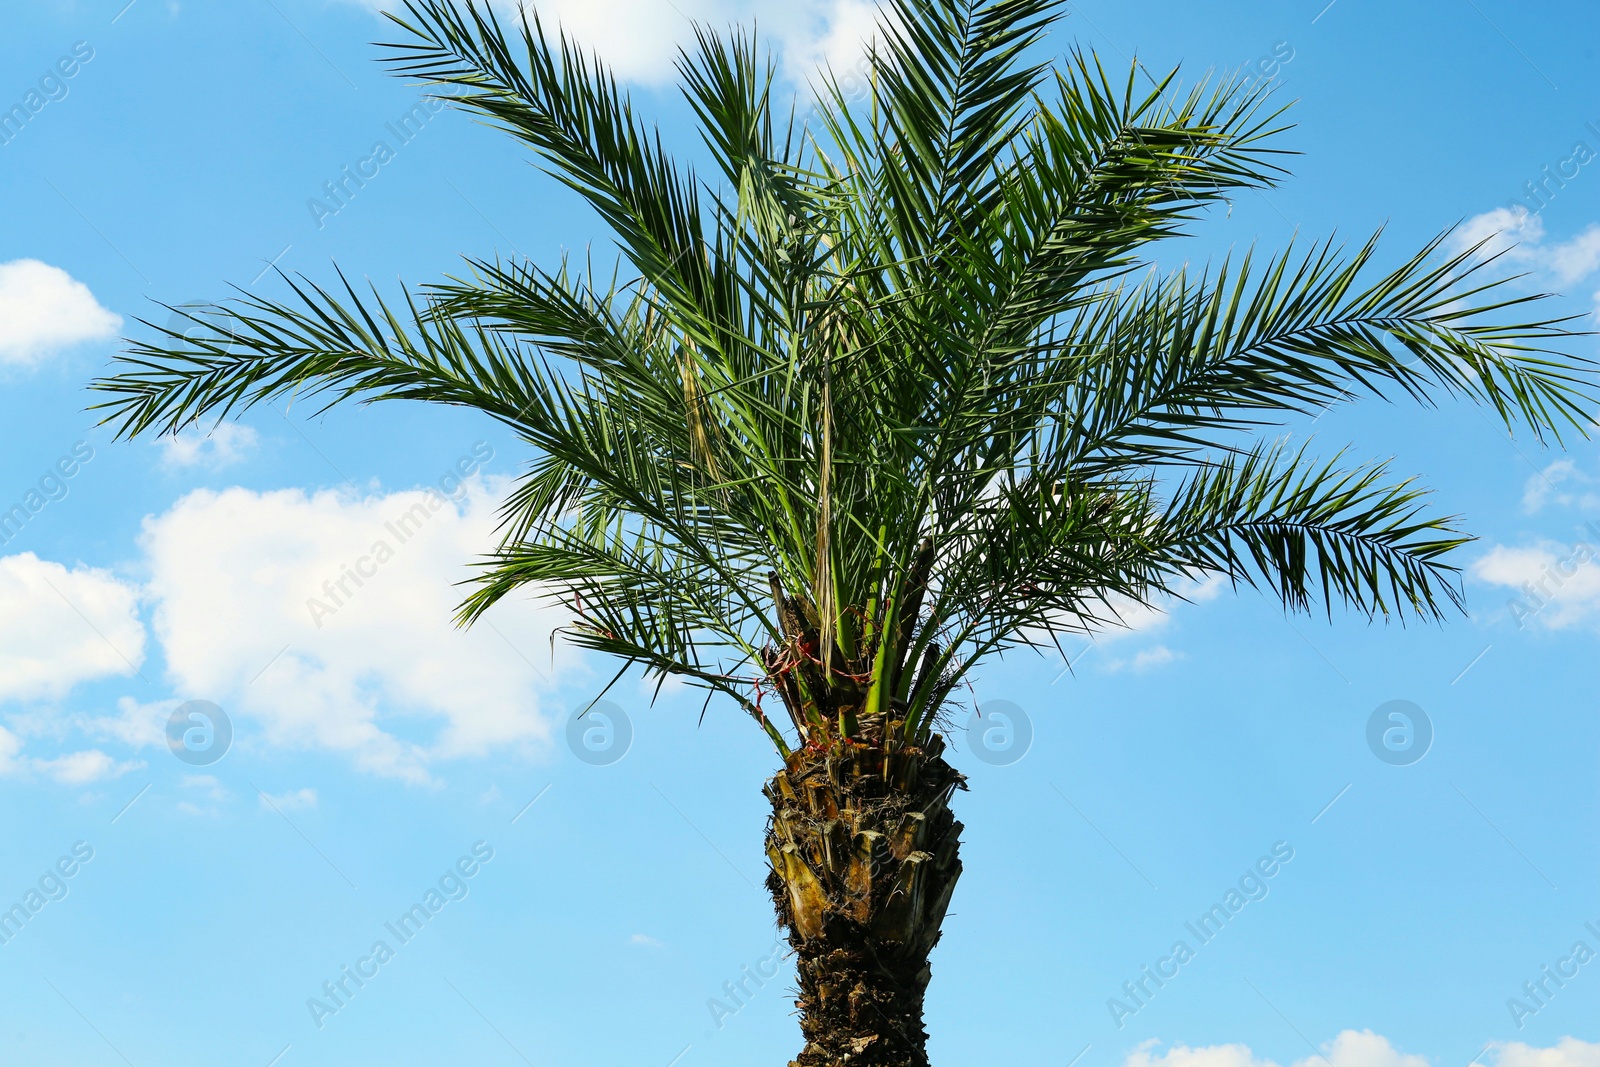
863 848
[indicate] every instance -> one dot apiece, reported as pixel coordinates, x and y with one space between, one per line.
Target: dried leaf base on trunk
863 848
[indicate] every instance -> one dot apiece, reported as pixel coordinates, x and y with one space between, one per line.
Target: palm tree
897 390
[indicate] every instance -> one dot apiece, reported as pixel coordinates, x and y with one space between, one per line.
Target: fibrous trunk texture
863 848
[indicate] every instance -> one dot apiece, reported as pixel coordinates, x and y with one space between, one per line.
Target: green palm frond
1311 531
900 386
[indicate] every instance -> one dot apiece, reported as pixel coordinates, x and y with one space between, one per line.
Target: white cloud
1360 1048
1561 483
1352 1048
43 310
830 35
226 444
59 627
1574 260
1133 617
1184 1056
1557 585
260 608
317 620
1512 231
1520 236
1363 1048
206 783
649 942
135 725
72 768
294 800
81 768
640 39
637 38
1144 660
1125 618
10 747
1568 1052
209 793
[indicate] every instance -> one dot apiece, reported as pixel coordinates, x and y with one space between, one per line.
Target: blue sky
378 755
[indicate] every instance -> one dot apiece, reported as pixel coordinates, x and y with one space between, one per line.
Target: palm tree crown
900 386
